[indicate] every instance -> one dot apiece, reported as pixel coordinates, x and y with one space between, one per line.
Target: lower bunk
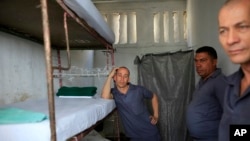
75 117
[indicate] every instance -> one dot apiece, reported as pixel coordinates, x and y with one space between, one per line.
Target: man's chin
200 73
240 59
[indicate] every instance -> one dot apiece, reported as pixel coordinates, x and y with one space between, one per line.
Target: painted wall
23 73
23 66
22 69
126 53
81 62
203 29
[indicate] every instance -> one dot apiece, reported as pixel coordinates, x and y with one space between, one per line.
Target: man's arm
106 94
155 106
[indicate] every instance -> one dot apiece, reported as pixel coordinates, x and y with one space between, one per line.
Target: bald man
138 123
234 36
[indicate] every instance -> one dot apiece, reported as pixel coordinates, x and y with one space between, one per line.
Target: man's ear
215 62
128 81
114 78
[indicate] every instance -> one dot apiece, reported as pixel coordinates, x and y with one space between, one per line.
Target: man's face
234 30
121 78
205 64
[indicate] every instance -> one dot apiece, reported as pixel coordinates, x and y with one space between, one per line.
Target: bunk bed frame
49 62
50 40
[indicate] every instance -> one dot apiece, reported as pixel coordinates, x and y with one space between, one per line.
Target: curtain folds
172 77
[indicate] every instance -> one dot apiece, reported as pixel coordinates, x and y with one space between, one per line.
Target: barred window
124 26
171 28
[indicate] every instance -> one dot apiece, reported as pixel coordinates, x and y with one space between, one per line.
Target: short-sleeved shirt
236 108
205 110
133 111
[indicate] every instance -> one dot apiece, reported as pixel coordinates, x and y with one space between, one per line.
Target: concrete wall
23 73
81 60
203 29
23 66
126 53
22 69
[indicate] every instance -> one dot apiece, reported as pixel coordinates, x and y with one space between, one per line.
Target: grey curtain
171 77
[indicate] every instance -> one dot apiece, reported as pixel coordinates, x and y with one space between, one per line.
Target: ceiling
23 18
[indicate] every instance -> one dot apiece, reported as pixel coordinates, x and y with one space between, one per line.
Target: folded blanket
76 91
15 115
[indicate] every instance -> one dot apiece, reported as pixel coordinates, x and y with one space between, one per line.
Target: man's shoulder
221 77
218 75
138 86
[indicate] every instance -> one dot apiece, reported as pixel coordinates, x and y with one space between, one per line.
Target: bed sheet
87 11
73 116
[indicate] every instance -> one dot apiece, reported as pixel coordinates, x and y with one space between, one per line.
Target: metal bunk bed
49 67
51 36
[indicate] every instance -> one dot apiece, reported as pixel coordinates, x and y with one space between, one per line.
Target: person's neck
205 78
123 90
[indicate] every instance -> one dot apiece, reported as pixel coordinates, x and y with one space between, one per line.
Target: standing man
138 123
234 36
205 110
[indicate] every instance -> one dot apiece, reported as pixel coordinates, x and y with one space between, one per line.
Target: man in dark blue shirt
205 110
234 36
138 123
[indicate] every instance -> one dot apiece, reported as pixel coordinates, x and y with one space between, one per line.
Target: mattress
87 11
73 116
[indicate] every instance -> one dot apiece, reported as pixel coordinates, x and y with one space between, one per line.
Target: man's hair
126 69
227 1
209 50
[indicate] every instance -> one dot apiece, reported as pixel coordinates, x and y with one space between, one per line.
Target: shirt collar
213 75
235 78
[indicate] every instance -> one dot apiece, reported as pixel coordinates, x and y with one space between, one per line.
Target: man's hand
113 71
153 119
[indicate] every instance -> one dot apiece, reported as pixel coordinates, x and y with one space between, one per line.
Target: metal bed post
67 44
59 65
116 118
46 36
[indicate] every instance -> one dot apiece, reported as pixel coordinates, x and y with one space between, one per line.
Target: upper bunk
87 29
